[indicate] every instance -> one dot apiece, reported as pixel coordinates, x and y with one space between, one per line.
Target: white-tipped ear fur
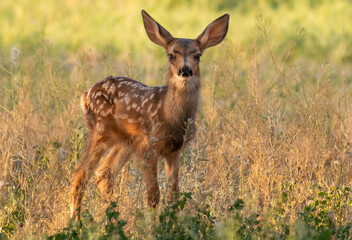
214 33
156 33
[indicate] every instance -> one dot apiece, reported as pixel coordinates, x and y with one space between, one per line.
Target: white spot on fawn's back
105 86
96 111
106 96
150 108
120 94
121 116
154 113
97 94
131 120
112 89
127 99
144 101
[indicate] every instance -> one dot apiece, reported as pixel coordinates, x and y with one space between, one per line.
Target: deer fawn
124 116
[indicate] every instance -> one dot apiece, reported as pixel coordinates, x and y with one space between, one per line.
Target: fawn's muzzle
185 71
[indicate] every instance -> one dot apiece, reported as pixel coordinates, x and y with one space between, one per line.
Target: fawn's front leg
172 168
151 179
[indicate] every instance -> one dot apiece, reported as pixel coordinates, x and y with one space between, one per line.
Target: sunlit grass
275 114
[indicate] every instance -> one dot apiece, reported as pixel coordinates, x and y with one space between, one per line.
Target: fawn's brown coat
124 116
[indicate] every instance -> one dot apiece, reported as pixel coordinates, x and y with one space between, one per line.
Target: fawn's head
184 54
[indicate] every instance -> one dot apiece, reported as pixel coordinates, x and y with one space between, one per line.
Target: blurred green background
116 25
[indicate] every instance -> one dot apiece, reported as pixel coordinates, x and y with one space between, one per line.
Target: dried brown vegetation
268 122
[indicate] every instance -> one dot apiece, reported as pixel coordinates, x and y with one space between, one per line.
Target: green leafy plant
326 210
177 223
16 218
86 228
236 225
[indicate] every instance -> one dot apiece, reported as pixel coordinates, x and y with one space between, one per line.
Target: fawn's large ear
214 33
156 33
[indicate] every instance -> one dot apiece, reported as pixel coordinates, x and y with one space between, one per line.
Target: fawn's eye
171 57
197 57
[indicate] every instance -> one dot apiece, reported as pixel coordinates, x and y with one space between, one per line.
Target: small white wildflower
14 54
154 139
62 153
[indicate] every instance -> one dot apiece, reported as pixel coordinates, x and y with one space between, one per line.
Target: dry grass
268 122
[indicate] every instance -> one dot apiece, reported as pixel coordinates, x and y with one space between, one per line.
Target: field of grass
272 155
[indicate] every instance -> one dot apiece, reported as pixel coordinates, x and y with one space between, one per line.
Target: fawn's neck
181 99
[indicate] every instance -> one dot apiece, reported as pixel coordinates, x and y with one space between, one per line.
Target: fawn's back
132 113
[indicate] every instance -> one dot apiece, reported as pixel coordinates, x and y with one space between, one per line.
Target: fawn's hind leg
110 167
91 157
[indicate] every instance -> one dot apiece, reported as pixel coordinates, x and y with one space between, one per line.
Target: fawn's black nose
185 71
